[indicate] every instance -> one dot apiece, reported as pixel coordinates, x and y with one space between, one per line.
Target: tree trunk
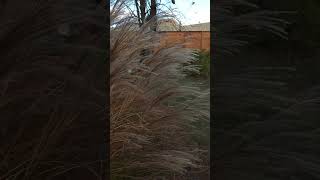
143 10
153 13
138 13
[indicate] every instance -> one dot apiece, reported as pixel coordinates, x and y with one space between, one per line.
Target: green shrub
199 66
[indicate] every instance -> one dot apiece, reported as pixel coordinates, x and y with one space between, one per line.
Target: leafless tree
147 10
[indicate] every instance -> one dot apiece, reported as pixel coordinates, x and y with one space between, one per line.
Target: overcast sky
190 11
193 14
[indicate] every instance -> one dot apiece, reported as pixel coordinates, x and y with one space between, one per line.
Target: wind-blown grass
151 131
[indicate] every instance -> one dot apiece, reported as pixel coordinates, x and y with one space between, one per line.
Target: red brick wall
189 39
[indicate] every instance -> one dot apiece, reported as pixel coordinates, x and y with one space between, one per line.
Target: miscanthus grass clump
152 117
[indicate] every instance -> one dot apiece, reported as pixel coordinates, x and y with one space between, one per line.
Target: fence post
201 40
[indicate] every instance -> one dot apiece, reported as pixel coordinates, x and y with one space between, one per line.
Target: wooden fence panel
189 39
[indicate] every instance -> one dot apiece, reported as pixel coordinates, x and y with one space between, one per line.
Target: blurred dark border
54 89
265 89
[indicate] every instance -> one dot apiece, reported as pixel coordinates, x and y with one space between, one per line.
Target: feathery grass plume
150 129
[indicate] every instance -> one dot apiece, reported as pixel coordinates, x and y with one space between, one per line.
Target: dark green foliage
199 66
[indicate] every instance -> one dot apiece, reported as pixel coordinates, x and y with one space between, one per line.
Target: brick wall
189 39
